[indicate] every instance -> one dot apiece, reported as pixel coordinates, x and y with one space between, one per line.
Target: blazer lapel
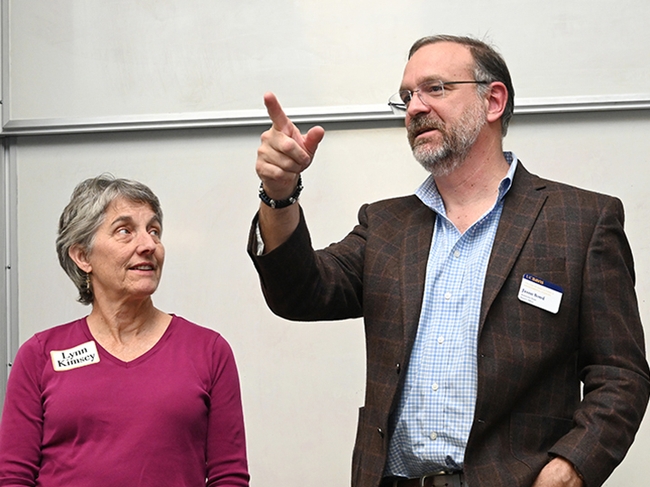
415 255
521 207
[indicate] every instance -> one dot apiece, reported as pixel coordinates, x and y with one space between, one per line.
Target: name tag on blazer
540 293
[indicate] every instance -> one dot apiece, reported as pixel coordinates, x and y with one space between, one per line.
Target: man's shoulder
396 205
389 218
395 211
558 190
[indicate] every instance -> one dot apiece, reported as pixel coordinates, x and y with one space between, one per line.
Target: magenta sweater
171 417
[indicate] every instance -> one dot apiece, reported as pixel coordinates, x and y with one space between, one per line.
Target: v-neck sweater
172 416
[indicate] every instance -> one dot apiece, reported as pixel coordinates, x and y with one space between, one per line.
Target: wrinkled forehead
446 61
123 206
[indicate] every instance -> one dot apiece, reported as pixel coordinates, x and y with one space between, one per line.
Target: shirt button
434 387
433 436
441 340
456 253
447 296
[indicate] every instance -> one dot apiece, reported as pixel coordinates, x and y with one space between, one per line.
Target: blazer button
381 432
398 368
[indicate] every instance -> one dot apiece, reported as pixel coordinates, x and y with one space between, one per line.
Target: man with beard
487 297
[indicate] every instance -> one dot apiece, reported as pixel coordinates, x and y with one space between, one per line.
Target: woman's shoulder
186 329
198 340
64 335
61 337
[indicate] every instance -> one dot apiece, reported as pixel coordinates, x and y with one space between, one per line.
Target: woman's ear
78 255
497 100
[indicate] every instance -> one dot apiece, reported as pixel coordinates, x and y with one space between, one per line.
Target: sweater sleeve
21 429
226 445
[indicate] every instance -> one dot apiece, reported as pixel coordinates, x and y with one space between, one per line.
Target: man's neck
472 188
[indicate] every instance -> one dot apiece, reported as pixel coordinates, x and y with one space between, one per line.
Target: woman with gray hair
129 395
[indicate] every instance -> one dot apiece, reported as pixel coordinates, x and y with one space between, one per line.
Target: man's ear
79 256
497 99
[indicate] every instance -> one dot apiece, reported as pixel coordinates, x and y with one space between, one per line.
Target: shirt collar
429 195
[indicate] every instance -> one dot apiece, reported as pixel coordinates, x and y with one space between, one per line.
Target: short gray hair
85 213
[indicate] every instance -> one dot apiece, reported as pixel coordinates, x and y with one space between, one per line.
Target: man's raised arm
283 154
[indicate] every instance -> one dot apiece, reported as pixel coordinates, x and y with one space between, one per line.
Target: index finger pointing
280 120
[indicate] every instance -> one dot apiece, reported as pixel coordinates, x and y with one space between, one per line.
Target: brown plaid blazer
530 362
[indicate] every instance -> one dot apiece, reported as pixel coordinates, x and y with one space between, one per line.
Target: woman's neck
127 331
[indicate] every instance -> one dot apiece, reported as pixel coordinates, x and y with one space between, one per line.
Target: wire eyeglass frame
428 90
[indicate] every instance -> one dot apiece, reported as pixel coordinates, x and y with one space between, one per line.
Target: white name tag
79 356
540 293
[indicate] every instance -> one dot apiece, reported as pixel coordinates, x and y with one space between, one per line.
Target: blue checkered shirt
432 423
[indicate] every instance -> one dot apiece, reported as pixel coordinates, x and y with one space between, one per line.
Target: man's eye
432 88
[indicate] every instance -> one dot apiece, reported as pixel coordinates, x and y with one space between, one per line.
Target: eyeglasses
427 91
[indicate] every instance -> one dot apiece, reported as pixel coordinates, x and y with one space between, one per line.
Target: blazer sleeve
302 284
611 359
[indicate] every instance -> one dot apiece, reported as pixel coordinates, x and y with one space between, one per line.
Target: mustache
422 123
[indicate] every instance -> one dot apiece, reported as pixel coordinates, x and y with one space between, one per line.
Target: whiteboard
92 60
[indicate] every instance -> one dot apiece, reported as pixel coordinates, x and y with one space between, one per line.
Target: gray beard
457 142
439 161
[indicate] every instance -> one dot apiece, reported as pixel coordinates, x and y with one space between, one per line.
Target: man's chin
439 164
425 154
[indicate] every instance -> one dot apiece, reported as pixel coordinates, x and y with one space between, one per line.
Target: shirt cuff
258 245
